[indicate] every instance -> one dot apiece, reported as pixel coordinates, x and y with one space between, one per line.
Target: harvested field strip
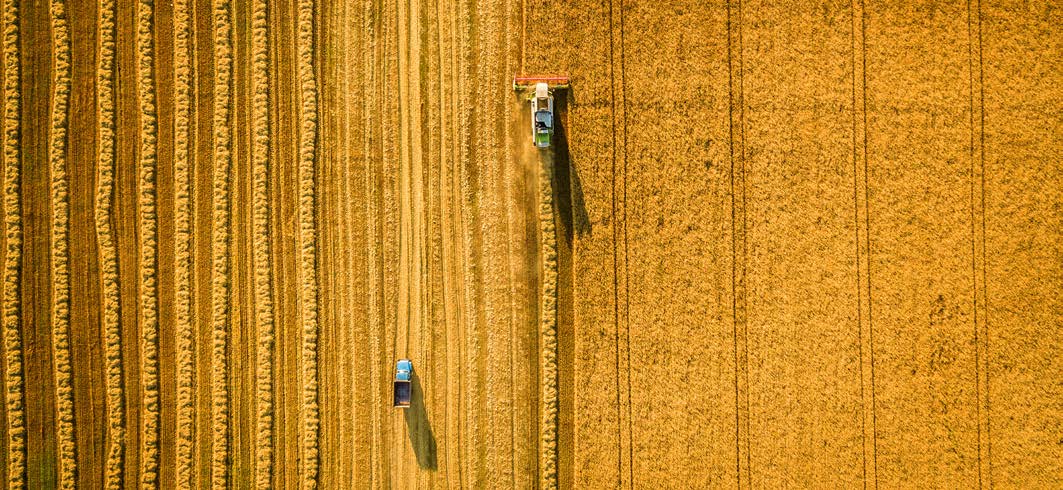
264 318
14 376
184 330
60 258
220 245
148 230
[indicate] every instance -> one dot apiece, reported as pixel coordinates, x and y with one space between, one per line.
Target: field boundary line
262 249
184 331
308 128
14 376
865 331
220 246
148 224
111 322
60 251
978 249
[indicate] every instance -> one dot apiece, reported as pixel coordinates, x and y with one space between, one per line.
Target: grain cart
542 103
403 380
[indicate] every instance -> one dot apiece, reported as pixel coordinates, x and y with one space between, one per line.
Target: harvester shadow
572 220
417 426
567 184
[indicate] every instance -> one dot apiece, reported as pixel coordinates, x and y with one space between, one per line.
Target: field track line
220 280
262 250
308 125
627 274
513 216
863 260
736 130
148 165
111 324
60 253
620 256
14 377
338 51
452 289
374 217
445 224
978 254
184 331
470 220
548 330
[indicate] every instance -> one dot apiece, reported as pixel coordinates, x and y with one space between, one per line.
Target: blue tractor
403 383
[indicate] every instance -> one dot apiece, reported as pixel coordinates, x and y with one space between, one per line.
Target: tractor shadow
567 183
418 427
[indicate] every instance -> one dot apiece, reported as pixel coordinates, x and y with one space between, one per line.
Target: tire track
738 244
863 259
105 189
60 253
220 243
14 376
472 436
184 330
308 121
263 287
978 253
453 279
148 229
374 233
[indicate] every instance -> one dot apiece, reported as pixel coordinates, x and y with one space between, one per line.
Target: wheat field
774 244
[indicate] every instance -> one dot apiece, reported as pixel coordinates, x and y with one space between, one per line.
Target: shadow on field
567 184
571 215
421 438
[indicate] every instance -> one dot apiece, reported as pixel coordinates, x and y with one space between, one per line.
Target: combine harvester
540 88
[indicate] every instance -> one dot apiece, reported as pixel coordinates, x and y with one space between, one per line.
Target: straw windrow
308 120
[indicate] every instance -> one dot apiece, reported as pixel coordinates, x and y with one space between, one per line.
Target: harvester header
525 82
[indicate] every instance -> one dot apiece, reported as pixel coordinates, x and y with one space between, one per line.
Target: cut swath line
60 253
148 224
112 330
14 378
264 316
220 280
185 348
308 120
548 330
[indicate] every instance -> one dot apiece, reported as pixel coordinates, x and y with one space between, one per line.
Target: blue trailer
403 380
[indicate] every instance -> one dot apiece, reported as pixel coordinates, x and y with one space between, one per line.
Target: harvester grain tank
541 98
403 383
